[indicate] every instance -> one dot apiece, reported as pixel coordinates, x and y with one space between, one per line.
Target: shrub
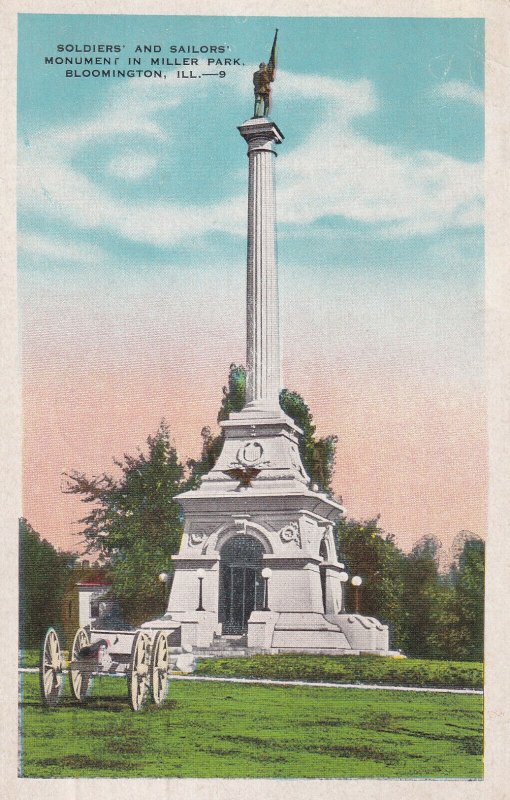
350 669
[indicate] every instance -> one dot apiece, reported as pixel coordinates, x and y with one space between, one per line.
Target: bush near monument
349 669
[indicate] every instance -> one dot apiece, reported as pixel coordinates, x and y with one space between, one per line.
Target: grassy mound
350 669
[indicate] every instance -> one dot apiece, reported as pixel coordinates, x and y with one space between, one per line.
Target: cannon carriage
144 656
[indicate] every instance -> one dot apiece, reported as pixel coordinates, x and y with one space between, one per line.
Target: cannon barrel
91 650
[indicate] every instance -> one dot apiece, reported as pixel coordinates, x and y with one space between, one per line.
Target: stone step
216 652
229 641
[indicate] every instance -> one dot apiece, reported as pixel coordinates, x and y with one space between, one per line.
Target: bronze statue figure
262 80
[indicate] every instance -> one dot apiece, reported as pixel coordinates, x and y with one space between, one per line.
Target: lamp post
343 578
200 576
266 574
356 582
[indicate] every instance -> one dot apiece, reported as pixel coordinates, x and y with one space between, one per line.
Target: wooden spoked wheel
81 681
139 671
160 668
51 675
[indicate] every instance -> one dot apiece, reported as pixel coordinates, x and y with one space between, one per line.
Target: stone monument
258 557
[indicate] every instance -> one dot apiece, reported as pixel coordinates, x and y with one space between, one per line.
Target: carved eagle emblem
244 476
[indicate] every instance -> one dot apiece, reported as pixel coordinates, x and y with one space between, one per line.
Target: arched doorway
241 584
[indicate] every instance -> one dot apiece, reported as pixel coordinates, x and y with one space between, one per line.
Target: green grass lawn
221 730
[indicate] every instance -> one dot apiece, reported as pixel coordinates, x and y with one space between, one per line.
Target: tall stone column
262 311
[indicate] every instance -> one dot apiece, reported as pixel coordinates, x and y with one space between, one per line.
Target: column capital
260 128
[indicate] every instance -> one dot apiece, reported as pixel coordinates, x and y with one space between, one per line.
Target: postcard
257 358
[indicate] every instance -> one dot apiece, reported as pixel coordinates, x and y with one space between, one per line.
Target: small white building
90 593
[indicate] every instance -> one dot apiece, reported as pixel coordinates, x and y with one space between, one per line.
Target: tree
469 590
458 614
43 576
460 636
424 598
135 522
318 455
373 555
446 636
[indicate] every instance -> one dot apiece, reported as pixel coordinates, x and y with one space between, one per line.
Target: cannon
143 656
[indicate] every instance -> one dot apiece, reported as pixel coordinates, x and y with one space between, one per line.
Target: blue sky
408 100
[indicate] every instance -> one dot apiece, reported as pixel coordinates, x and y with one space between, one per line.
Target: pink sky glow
99 376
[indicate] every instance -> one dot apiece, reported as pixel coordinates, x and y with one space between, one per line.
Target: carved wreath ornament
197 537
250 454
290 533
200 534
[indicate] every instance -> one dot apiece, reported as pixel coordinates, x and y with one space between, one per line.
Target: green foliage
234 395
225 730
318 455
43 576
430 616
469 589
135 522
373 555
458 618
423 598
30 656
211 449
349 669
234 398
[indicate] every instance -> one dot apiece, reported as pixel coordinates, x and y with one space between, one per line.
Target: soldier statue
262 80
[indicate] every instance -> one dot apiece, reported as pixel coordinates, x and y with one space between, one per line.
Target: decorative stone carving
197 537
240 524
250 455
290 533
199 534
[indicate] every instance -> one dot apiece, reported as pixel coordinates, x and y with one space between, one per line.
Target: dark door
241 584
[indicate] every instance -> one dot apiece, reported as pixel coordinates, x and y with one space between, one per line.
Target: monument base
279 632
312 631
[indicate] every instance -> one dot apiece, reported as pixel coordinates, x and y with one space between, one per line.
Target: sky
132 251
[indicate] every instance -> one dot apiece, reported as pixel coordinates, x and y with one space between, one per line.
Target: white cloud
351 98
339 172
459 90
132 165
336 171
58 249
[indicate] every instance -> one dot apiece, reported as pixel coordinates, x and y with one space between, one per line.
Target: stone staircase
228 646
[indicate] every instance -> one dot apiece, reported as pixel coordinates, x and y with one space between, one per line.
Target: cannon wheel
139 671
160 668
81 682
51 675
